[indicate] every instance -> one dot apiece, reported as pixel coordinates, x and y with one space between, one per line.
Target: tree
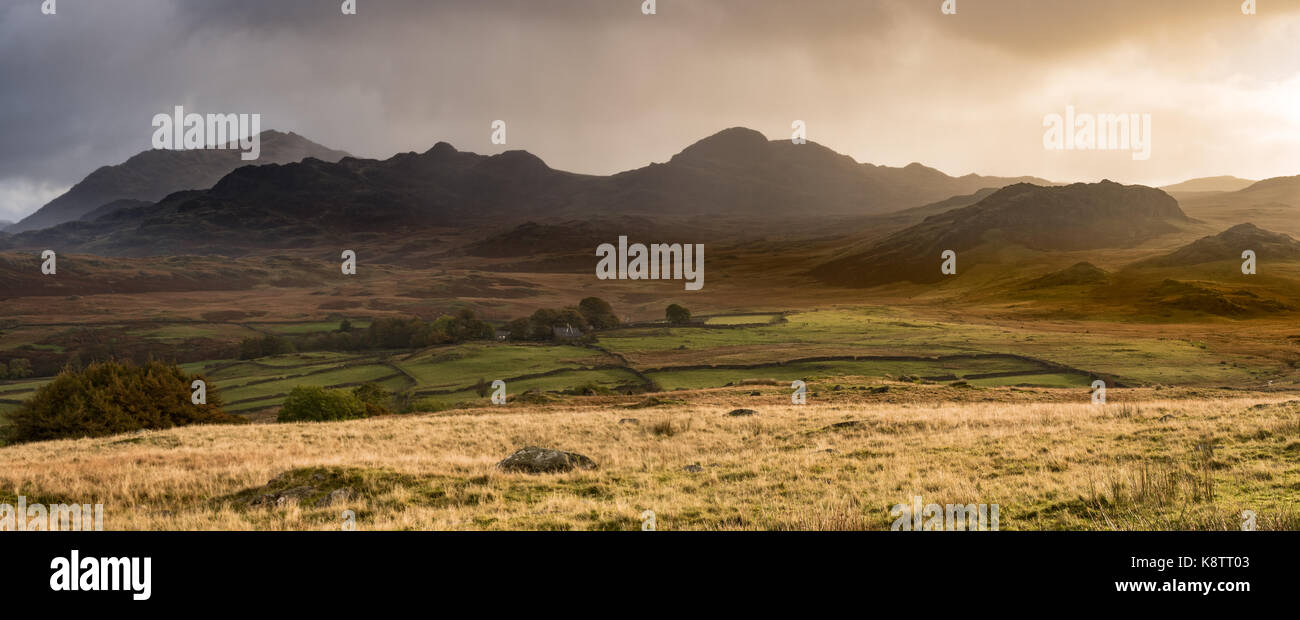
108 398
375 398
20 368
678 315
541 322
570 317
253 348
598 313
317 404
345 326
519 329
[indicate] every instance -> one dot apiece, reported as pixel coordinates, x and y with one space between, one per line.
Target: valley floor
1047 458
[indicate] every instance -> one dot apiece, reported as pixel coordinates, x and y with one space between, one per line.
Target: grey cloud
593 85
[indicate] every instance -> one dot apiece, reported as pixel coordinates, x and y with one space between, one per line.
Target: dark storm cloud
594 86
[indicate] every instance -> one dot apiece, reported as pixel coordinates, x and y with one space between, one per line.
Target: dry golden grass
1047 465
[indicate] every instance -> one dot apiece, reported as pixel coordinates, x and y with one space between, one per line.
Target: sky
596 86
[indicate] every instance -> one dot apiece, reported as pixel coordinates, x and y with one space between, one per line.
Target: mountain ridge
1080 216
153 174
734 172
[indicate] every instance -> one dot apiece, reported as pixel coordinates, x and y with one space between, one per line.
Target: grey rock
535 460
741 412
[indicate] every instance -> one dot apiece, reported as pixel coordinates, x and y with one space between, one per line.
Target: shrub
316 404
677 315
108 398
20 368
375 399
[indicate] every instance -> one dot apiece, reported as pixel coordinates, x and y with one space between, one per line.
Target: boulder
741 412
535 460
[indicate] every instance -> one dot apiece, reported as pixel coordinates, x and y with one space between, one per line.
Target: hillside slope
153 174
1074 217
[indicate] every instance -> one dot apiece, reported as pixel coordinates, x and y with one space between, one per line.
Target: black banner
236 570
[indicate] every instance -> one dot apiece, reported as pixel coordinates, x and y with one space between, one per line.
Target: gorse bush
108 398
316 404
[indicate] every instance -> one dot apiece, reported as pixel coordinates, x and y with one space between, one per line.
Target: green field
252 385
609 379
182 331
464 365
688 358
960 368
12 393
741 319
886 331
341 376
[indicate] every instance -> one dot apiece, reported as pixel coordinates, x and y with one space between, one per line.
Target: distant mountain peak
1081 216
441 148
1274 182
521 157
1228 246
732 143
1223 183
153 174
1241 229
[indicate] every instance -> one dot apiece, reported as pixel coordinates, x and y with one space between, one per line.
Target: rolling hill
1271 203
1229 245
1209 184
1074 217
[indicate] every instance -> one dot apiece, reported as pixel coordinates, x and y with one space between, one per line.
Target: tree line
592 313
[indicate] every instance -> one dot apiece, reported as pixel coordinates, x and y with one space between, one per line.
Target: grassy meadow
1141 462
953 409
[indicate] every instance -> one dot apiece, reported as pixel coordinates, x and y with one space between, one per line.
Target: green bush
108 398
316 404
677 315
375 398
19 368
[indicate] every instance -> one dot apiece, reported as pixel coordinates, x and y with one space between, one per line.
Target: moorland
974 387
